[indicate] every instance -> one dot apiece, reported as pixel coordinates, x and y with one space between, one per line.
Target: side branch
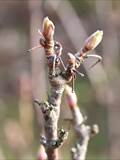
83 131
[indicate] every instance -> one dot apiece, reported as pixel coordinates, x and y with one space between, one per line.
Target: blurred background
23 75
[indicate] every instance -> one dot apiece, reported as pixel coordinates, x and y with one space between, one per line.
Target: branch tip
94 129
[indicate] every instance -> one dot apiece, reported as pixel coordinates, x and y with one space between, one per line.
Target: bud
71 59
95 129
48 28
92 41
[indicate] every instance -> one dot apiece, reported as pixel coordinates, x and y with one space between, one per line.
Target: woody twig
51 108
83 131
58 79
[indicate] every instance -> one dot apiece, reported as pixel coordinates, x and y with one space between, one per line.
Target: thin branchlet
83 131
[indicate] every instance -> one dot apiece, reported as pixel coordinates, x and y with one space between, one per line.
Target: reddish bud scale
48 28
48 32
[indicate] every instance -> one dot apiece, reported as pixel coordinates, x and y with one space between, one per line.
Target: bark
82 130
